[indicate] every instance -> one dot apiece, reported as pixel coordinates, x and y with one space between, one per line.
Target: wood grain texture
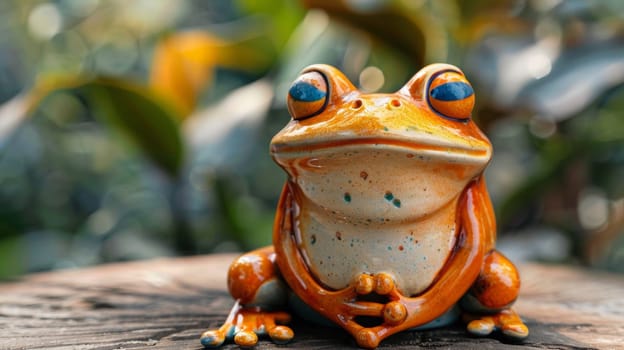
167 303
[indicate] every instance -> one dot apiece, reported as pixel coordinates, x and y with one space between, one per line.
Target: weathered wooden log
167 303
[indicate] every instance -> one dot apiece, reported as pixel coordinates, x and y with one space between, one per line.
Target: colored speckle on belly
347 197
390 198
339 235
363 175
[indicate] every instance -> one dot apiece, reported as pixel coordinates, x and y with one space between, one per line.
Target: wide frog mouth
435 149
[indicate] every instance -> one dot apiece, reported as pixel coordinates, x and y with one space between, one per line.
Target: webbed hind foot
506 321
244 325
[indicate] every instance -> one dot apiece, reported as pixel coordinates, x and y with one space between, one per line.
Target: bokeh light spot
593 209
44 21
371 79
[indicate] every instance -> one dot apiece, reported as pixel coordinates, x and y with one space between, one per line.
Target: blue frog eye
307 95
450 95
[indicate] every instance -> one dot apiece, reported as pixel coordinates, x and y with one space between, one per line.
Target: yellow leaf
182 65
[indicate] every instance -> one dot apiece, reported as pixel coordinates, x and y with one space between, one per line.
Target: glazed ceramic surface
385 214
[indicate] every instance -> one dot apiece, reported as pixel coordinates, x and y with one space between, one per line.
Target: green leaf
418 36
18 109
278 18
11 255
554 158
249 222
147 121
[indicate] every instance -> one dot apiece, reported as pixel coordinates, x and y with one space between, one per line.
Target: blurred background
139 129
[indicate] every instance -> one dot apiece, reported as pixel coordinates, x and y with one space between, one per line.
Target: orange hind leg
256 286
488 303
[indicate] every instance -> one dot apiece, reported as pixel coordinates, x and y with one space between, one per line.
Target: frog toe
481 327
364 284
281 334
384 283
212 338
516 331
246 339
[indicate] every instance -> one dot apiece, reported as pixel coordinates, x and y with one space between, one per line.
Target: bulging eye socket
308 95
450 95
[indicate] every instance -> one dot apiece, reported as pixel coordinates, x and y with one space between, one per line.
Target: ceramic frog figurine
385 216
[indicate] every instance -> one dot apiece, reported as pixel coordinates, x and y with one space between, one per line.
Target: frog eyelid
460 91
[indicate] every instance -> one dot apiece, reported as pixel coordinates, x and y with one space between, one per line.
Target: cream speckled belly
337 250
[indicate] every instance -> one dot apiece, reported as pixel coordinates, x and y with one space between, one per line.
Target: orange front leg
256 286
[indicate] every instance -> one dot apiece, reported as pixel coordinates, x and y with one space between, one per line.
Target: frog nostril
395 103
356 104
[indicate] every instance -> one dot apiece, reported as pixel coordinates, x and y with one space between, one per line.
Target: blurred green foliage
136 129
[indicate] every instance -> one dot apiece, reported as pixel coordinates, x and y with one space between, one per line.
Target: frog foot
381 283
393 311
507 321
244 325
